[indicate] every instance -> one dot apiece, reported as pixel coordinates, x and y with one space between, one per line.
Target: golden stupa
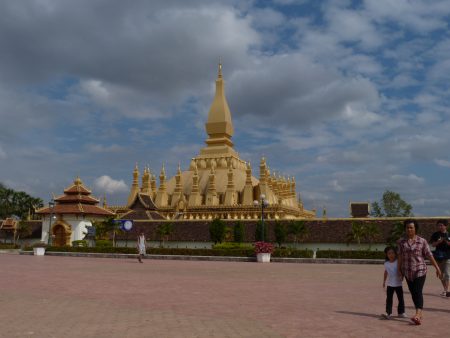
218 183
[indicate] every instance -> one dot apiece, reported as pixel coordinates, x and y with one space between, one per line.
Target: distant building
359 209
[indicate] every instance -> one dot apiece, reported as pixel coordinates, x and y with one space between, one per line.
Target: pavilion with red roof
72 212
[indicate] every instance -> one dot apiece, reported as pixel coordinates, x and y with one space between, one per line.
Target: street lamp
51 204
264 203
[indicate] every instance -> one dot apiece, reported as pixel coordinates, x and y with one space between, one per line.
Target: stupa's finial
219 75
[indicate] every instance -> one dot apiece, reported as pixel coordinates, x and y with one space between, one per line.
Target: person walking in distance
141 246
413 250
394 284
441 241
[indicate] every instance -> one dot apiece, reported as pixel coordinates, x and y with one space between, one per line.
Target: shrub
102 243
217 231
8 246
40 245
292 253
80 243
232 246
263 247
350 254
239 232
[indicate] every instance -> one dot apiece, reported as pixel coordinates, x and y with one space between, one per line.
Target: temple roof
77 209
76 200
8 224
77 188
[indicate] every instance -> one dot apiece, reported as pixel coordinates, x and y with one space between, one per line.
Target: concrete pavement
53 296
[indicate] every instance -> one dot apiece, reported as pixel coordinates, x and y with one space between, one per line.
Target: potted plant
39 249
263 251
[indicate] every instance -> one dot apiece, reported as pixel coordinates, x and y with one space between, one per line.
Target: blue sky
350 97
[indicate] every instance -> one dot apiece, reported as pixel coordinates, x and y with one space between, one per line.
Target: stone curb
213 258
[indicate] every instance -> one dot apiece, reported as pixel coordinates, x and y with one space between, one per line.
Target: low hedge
350 254
292 253
249 252
8 246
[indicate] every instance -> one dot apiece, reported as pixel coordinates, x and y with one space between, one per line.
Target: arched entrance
61 234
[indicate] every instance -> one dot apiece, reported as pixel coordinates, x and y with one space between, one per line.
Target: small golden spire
78 181
220 68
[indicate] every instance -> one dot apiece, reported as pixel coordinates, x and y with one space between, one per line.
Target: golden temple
218 183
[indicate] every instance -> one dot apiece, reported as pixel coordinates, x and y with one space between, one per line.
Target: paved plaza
102 297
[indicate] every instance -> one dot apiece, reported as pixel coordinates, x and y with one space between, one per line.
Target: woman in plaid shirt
413 250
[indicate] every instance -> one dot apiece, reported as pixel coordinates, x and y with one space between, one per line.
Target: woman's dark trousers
415 287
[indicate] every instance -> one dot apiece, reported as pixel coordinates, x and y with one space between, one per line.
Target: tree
391 205
356 233
370 232
164 230
396 233
360 231
239 232
105 228
22 229
217 230
298 229
280 233
259 231
17 203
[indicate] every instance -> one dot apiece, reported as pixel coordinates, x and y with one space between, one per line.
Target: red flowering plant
263 247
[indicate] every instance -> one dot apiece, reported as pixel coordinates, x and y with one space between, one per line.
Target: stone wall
321 230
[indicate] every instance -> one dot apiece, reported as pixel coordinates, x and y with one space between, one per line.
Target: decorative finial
220 68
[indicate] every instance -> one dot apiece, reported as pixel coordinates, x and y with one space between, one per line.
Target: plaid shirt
413 257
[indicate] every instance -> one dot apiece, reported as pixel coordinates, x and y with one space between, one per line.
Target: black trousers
415 287
389 297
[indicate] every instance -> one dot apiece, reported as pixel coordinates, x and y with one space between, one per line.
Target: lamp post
264 203
51 204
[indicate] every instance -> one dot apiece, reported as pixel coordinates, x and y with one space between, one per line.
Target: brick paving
66 297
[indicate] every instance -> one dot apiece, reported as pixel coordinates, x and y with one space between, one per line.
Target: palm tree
356 233
370 232
298 229
164 230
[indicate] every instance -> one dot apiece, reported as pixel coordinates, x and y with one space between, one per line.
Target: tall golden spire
219 126
135 186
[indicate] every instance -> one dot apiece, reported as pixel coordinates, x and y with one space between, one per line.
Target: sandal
416 320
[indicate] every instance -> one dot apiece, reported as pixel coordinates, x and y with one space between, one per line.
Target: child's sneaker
386 316
444 294
402 315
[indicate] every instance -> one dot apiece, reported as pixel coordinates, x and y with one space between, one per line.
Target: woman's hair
413 221
387 249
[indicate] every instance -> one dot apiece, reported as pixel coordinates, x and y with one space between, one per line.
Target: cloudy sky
351 97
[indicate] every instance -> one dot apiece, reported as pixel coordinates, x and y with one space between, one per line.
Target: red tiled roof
78 209
8 224
77 198
77 189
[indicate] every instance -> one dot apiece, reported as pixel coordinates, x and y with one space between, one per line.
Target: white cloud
407 179
442 163
109 185
99 148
